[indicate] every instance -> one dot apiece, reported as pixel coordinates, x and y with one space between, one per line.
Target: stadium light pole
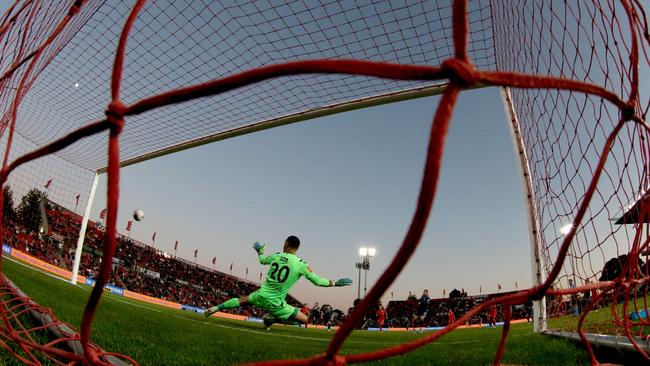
565 230
359 265
366 253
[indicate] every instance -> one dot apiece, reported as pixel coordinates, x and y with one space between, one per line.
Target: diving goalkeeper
286 269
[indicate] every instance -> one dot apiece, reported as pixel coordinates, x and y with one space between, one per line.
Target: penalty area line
251 330
264 332
137 305
63 279
439 342
85 288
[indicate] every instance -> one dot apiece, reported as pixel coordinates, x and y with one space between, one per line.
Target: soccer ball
138 215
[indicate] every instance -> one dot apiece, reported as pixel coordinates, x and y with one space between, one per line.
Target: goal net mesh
89 86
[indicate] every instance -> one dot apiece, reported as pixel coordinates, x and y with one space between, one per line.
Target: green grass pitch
155 335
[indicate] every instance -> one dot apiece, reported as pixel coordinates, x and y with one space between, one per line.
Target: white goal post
538 277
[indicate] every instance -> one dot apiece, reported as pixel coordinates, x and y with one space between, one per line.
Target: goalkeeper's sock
230 304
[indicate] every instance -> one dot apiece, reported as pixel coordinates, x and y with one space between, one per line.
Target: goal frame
536 258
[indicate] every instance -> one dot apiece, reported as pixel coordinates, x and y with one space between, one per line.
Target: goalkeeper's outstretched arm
322 282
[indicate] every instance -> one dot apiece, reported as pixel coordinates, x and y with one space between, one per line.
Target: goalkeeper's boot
268 321
210 311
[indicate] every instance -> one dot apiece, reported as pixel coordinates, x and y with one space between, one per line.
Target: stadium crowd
136 266
439 312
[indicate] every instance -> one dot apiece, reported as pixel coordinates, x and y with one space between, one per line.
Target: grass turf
599 321
155 335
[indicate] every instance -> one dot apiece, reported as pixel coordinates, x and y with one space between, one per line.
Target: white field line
37 269
274 334
268 333
85 288
137 305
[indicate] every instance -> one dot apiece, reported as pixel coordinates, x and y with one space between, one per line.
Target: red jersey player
492 316
451 317
381 317
305 310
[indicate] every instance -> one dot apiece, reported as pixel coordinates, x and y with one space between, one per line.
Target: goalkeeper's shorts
280 310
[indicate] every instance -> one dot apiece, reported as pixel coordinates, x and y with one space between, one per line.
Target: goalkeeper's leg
296 319
301 318
230 304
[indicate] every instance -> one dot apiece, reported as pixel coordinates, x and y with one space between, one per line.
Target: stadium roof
633 214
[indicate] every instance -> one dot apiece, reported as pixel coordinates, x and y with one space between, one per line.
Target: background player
381 316
314 314
421 312
285 269
326 313
451 317
305 310
492 316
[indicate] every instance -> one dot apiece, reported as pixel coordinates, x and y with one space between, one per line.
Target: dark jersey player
326 313
421 311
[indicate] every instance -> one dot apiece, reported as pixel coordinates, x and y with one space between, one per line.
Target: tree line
30 210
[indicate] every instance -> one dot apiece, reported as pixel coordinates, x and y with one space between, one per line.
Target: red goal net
90 86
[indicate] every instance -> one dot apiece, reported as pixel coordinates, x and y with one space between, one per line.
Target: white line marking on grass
275 334
86 288
438 342
63 279
137 305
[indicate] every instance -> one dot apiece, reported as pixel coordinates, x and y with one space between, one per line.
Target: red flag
196 252
153 237
176 245
499 286
214 260
102 214
128 225
77 198
47 185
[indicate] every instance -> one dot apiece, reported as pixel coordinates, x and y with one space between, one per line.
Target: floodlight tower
366 254
565 230
359 265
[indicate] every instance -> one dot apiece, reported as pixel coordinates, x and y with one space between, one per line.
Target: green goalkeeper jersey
285 270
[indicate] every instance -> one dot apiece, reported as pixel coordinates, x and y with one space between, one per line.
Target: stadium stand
136 266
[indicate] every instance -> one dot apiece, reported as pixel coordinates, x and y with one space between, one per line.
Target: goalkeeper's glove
259 247
343 282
